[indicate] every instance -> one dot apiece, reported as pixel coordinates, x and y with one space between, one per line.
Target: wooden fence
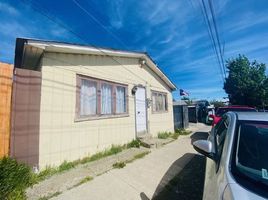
6 73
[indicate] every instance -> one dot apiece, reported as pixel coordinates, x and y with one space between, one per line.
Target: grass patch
164 135
49 171
181 131
14 179
115 149
84 180
50 196
178 132
175 136
119 165
66 166
134 144
138 156
141 155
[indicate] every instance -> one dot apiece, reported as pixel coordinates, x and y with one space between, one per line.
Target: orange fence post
6 74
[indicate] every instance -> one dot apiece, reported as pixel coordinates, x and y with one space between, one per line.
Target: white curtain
164 102
154 101
120 99
88 98
106 99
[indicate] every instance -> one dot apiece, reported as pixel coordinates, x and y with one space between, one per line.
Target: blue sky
172 32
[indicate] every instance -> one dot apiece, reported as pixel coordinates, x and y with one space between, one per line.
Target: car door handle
139 112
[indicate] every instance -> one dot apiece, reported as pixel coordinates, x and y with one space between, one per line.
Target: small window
98 98
159 101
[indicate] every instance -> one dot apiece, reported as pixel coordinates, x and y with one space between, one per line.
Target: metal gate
180 113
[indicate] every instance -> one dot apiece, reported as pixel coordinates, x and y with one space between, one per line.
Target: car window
220 134
250 158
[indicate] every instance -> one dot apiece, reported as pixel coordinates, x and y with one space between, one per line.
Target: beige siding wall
61 138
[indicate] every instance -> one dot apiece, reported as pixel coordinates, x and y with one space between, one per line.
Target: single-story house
70 101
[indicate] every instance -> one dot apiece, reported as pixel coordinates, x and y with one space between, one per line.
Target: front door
140 99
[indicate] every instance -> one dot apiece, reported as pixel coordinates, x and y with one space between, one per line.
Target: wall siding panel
63 138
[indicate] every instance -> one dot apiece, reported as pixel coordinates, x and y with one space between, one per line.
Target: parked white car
237 148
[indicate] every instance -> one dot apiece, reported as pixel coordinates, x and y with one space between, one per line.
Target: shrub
15 178
164 135
134 144
115 149
66 165
42 175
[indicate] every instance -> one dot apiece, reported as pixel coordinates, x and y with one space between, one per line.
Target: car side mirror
205 148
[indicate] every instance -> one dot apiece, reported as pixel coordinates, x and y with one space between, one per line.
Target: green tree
247 82
187 100
216 103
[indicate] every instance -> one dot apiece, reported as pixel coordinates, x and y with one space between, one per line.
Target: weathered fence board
6 73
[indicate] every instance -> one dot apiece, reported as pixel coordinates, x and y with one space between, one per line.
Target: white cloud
116 13
184 42
247 21
37 26
8 9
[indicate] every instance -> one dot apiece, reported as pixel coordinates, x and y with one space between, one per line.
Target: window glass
120 99
250 159
159 101
88 98
98 97
106 99
220 135
166 103
154 101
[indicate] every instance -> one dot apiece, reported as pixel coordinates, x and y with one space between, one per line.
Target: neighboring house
71 101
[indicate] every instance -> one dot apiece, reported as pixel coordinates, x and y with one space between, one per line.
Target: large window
159 101
98 98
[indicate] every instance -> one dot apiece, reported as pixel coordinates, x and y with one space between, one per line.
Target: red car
222 110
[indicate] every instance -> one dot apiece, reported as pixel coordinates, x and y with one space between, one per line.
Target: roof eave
48 46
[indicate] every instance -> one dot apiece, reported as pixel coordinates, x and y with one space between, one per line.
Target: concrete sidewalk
142 179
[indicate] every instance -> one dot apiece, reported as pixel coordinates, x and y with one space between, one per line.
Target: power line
217 35
98 22
210 32
37 9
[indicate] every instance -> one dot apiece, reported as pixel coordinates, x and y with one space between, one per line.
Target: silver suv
238 150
